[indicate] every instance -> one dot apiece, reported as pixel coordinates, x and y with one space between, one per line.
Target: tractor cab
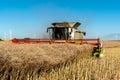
65 30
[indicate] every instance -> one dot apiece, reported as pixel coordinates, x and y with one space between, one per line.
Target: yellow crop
57 62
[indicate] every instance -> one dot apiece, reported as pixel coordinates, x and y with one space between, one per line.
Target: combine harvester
66 32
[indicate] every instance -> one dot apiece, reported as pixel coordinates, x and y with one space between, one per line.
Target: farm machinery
66 32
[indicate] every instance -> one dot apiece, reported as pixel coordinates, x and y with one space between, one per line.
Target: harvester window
60 33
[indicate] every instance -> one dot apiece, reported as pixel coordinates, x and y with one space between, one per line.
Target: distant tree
1 40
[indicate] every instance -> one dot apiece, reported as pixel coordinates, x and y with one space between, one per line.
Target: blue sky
30 18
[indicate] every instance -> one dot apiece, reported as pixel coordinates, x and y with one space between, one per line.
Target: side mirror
84 33
47 30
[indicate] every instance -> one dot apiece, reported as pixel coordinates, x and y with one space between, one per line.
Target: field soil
109 44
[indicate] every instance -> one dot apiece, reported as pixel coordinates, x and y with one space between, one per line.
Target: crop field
58 62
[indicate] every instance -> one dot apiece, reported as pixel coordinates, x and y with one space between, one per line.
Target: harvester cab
65 30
